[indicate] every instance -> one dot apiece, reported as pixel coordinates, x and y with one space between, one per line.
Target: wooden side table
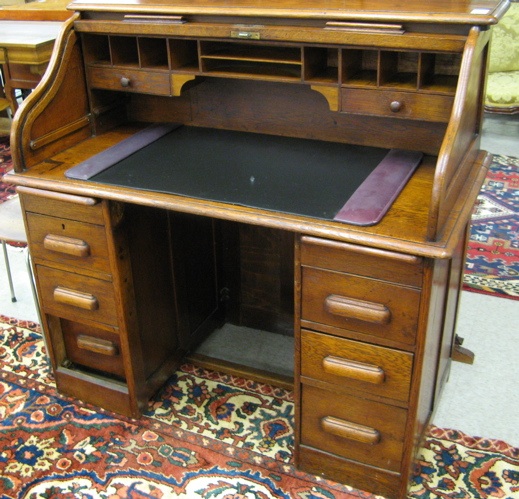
42 10
25 51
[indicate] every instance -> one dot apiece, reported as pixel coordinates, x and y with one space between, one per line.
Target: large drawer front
360 304
396 104
67 241
371 369
75 296
92 347
128 80
362 430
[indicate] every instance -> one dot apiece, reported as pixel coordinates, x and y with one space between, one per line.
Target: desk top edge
484 12
40 177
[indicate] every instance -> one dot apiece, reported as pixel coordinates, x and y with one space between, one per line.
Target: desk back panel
276 109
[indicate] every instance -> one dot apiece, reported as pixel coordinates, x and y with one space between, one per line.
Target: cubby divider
124 51
153 53
359 67
97 50
320 65
439 72
183 55
398 69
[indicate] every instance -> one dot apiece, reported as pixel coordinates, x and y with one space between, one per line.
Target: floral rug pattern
206 435
454 465
492 265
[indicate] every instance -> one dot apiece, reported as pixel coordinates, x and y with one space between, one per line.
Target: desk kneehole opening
350 431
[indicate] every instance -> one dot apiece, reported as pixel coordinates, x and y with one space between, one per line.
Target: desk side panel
56 114
457 158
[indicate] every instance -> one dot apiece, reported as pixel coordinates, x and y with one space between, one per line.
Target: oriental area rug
205 435
492 264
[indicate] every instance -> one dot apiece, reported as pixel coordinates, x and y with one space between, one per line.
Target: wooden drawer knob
66 245
395 106
97 345
352 369
349 430
357 309
75 298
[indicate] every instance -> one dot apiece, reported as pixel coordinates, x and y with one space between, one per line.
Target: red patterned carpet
206 435
492 265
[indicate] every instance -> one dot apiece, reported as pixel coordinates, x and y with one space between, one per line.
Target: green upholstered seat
502 93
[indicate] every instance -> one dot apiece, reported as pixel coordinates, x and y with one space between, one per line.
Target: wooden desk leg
4 103
8 90
461 354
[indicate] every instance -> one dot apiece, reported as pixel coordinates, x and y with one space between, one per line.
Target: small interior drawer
396 104
68 241
92 347
360 304
130 80
354 428
372 369
74 296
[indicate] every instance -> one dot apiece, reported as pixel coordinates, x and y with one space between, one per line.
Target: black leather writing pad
298 176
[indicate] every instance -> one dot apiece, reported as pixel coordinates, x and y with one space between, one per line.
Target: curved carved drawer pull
352 369
361 310
97 345
66 245
349 430
75 298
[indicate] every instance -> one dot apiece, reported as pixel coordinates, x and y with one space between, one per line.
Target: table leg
8 90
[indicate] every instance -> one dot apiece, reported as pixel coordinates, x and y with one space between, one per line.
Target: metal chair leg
8 269
31 281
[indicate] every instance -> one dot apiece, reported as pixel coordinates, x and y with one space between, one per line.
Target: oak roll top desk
272 109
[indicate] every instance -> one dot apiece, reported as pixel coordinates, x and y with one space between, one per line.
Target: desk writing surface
297 176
